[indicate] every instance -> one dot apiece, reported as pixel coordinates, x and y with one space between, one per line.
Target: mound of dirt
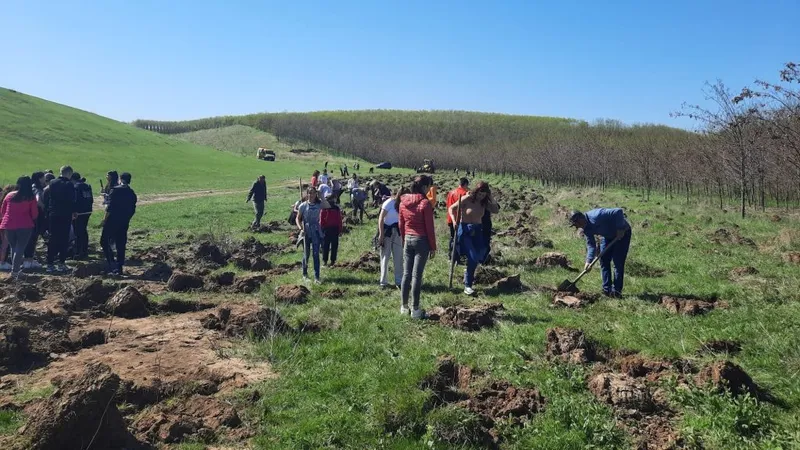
211 252
467 319
724 236
720 346
184 282
640 269
638 366
508 285
28 336
259 323
199 416
369 262
622 392
741 272
224 278
792 257
249 284
690 306
179 306
160 271
128 303
725 375
91 338
334 293
552 259
531 240
27 293
488 275
570 345
88 295
574 300
88 269
283 269
292 293
81 411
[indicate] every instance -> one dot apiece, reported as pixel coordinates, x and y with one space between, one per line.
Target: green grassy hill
36 134
237 139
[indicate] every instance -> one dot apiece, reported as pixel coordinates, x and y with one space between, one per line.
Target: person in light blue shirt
609 224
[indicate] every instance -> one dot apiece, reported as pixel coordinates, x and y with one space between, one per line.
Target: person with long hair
18 214
38 185
469 220
315 179
389 240
4 264
419 241
330 221
308 223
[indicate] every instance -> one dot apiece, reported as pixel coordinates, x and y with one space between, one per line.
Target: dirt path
149 199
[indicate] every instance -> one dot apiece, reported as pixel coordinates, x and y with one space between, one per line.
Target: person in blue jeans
468 214
610 224
308 223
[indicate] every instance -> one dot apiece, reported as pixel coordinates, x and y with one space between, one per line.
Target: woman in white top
391 243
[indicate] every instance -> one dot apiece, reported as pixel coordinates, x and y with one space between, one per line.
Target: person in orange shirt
432 196
452 198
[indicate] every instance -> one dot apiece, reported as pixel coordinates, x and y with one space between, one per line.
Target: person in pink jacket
18 214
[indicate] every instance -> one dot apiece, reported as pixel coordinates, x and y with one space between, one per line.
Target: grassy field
237 139
352 384
36 134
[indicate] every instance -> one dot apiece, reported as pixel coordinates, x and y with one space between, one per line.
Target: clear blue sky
635 61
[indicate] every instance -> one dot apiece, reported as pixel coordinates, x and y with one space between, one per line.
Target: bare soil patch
508 285
575 300
368 262
570 345
723 236
292 293
488 275
690 305
466 318
552 259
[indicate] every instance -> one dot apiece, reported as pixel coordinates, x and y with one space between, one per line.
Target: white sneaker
5 267
317 281
469 291
418 314
405 311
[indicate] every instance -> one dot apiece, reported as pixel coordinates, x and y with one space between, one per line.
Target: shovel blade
567 286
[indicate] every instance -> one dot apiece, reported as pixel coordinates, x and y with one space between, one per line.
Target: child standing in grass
416 228
308 222
330 220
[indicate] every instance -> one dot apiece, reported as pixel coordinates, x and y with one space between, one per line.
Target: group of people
58 209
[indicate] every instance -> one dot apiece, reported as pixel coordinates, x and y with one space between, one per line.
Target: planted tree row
747 147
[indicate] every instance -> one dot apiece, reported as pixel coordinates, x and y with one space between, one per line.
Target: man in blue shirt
610 224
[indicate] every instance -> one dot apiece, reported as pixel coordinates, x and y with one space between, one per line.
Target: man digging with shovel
611 225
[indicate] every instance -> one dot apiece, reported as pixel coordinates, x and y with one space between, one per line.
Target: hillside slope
238 139
36 134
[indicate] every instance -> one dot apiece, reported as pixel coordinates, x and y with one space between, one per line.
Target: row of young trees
747 147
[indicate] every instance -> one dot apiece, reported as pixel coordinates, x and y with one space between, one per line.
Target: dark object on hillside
265 155
384 165
427 167
184 282
302 150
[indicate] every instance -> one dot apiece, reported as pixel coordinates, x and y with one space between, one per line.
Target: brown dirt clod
574 300
184 282
690 306
211 252
88 269
724 375
488 275
260 323
466 318
508 285
128 303
199 416
249 284
368 261
89 294
160 271
224 278
552 259
622 391
334 293
570 345
294 294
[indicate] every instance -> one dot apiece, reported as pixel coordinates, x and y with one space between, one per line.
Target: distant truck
265 155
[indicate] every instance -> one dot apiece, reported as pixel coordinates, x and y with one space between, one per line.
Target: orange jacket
452 198
432 196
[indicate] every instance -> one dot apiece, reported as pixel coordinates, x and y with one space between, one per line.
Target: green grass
10 421
237 139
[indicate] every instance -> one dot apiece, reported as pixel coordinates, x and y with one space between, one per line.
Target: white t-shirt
391 216
352 184
324 190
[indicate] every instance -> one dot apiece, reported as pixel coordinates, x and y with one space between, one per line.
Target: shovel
569 286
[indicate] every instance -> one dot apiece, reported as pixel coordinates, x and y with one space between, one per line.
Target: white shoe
5 267
469 291
418 314
405 311
317 281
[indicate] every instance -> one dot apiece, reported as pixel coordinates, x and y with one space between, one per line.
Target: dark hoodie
416 218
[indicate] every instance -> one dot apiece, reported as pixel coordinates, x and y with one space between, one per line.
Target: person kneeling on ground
18 215
470 237
416 229
121 208
611 225
308 222
390 242
258 192
330 219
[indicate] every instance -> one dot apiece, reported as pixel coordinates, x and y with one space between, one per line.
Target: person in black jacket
84 199
259 195
61 210
120 210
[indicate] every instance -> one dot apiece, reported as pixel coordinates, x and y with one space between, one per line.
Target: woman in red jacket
18 214
330 220
419 241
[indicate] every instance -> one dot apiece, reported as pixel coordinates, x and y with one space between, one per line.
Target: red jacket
452 198
416 218
331 218
18 216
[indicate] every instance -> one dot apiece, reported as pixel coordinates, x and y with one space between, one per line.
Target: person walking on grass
469 221
308 222
258 193
391 244
121 209
330 220
84 201
610 224
38 185
18 214
452 198
61 211
415 223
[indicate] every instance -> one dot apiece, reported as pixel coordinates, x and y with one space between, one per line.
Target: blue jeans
618 254
473 245
311 248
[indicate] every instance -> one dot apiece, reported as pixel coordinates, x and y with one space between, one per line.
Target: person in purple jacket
609 224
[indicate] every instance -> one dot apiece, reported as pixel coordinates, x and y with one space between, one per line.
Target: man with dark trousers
259 195
120 210
83 207
61 207
611 225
